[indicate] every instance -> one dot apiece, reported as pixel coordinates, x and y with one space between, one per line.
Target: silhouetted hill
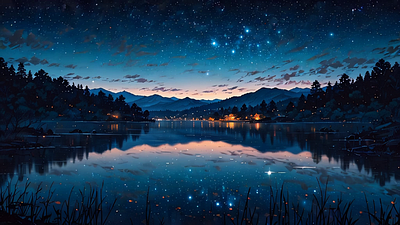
152 100
253 98
156 102
129 97
180 104
304 91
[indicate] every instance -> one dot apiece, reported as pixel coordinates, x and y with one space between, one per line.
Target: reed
320 212
24 207
19 205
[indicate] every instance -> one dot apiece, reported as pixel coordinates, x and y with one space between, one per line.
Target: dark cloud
301 71
252 73
318 56
121 48
77 77
131 63
394 40
163 89
303 82
114 80
230 89
89 38
22 60
54 64
97 77
143 80
34 60
296 67
371 61
70 66
112 64
392 50
354 61
269 78
16 39
298 49
287 76
322 70
336 65
142 53
192 64
86 78
220 85
379 49
188 71
287 61
44 61
179 57
211 58
208 91
132 76
82 52
151 64
70 74
164 64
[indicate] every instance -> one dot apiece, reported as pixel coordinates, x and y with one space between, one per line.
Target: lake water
197 170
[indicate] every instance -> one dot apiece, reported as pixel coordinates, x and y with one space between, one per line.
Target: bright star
214 43
190 197
247 30
233 51
241 36
331 34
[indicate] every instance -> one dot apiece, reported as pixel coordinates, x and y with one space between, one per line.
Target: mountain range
159 103
156 102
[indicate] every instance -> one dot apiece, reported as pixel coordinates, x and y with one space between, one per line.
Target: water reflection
199 164
263 137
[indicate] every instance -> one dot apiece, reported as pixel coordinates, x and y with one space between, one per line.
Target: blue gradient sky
200 49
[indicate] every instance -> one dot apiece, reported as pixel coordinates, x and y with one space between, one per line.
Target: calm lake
198 170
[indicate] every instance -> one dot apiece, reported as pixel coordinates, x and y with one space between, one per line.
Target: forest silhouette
26 99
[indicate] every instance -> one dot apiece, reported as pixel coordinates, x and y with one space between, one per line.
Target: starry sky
197 48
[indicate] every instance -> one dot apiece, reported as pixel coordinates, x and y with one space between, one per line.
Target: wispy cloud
71 66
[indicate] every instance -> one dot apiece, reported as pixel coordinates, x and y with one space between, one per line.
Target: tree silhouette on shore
26 99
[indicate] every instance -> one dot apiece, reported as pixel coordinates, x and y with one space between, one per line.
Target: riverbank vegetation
374 97
26 99
92 207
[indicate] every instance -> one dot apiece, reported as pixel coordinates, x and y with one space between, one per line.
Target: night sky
200 49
